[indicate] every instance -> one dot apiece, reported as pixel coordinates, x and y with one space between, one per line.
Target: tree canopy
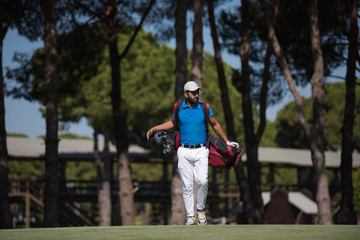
289 134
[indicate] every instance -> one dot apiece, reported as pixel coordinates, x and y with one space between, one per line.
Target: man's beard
193 101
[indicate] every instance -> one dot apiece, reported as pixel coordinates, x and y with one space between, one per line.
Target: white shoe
201 217
190 221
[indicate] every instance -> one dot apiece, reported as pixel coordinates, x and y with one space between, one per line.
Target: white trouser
193 162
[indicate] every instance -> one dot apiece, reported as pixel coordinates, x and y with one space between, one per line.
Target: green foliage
334 104
79 53
72 136
282 175
147 93
33 170
285 175
268 138
147 171
356 186
12 134
290 133
148 88
96 95
148 82
80 171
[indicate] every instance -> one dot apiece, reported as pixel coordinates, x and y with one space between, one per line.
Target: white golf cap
191 86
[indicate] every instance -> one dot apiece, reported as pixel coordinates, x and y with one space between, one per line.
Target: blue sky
22 116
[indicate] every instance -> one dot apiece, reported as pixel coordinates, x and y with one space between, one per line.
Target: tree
314 134
35 14
108 12
142 87
243 185
221 74
347 214
178 213
259 86
197 53
5 215
290 134
99 113
252 140
50 92
104 180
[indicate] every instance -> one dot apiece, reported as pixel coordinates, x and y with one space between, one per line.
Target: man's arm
162 127
220 132
218 129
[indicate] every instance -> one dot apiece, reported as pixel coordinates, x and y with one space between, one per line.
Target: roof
300 157
35 147
297 199
303 203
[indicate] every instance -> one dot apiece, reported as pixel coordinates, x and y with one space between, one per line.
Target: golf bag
167 142
222 155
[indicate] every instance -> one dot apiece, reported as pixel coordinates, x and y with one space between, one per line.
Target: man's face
192 96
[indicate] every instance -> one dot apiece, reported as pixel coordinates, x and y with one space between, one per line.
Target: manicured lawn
218 232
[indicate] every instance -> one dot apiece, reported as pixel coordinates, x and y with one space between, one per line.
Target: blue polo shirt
192 124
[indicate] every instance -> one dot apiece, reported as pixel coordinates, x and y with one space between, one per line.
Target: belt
193 146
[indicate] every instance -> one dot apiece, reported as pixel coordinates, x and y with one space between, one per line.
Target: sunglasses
194 92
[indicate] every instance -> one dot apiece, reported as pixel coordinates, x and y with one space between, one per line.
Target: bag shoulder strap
177 106
206 110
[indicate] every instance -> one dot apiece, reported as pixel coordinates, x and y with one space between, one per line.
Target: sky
24 117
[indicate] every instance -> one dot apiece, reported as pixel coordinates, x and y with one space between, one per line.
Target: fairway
219 232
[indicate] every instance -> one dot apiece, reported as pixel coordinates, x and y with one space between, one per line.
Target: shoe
190 221
201 217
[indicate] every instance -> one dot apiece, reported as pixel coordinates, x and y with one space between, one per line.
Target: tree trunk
180 50
229 119
347 214
251 140
317 130
5 216
50 91
178 215
197 54
177 202
255 212
104 186
99 175
197 58
315 134
126 195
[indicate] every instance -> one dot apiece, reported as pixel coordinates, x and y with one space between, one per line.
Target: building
291 197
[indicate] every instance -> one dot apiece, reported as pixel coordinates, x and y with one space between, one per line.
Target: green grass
218 232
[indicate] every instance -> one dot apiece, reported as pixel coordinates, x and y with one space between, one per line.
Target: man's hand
165 126
233 144
150 133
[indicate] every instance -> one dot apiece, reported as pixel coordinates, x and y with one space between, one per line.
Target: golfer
193 153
